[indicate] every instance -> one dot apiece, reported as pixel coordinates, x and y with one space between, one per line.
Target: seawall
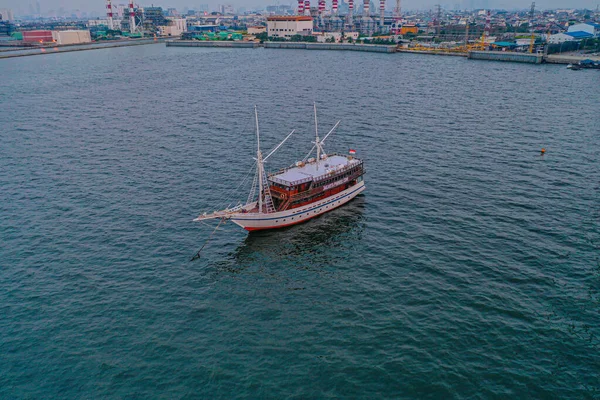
374 48
506 56
215 43
434 52
55 49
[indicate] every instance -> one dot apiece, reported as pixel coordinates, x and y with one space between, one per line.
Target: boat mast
259 163
317 143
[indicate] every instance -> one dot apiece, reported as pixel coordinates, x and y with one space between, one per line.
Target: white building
180 24
288 26
568 37
592 29
169 30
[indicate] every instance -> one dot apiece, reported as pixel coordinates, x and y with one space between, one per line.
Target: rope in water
197 255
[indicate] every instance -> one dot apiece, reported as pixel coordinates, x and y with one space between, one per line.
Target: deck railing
309 179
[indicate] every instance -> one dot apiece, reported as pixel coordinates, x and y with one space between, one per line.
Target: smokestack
307 7
321 6
381 12
365 8
300 7
131 17
350 11
334 7
109 15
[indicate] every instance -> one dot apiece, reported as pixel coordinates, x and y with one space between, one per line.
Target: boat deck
309 171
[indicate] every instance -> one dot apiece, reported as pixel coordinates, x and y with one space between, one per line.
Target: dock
213 43
55 49
373 48
569 59
506 56
435 52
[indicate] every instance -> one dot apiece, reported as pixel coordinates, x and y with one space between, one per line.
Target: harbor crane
531 13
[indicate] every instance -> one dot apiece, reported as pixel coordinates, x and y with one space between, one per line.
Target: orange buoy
543 150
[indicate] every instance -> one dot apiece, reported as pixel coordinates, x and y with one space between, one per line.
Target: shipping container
37 36
72 37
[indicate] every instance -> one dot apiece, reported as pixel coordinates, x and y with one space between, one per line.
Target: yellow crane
531 13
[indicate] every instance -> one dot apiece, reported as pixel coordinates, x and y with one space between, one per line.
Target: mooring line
207 240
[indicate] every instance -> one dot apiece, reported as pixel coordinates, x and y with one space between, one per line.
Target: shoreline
504 56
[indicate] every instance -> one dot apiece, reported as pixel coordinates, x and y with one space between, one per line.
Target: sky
98 5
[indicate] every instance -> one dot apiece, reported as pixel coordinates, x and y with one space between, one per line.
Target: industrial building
288 26
590 28
569 37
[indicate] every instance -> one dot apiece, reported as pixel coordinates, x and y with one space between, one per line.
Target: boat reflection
313 242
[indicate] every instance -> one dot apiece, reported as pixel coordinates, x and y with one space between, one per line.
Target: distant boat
306 189
573 67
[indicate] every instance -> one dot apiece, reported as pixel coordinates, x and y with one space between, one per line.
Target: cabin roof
296 175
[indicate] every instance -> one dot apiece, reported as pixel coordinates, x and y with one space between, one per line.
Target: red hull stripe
301 212
294 223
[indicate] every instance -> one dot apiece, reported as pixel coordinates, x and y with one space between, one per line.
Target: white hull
256 221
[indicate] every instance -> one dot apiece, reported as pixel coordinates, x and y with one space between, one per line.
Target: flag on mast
352 152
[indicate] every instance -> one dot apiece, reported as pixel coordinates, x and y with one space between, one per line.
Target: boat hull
255 222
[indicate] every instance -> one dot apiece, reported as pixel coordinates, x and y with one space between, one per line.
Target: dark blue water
470 268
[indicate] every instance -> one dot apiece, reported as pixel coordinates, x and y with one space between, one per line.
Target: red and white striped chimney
300 7
109 14
334 6
307 7
131 17
381 12
366 8
321 6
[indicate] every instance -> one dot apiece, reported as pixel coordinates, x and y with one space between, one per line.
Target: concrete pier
506 56
375 48
434 52
569 59
55 49
212 43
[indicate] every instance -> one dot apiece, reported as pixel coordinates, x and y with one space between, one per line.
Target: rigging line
279 145
322 141
248 121
231 192
197 255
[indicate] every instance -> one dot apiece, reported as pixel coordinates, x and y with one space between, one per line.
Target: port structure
531 14
109 15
